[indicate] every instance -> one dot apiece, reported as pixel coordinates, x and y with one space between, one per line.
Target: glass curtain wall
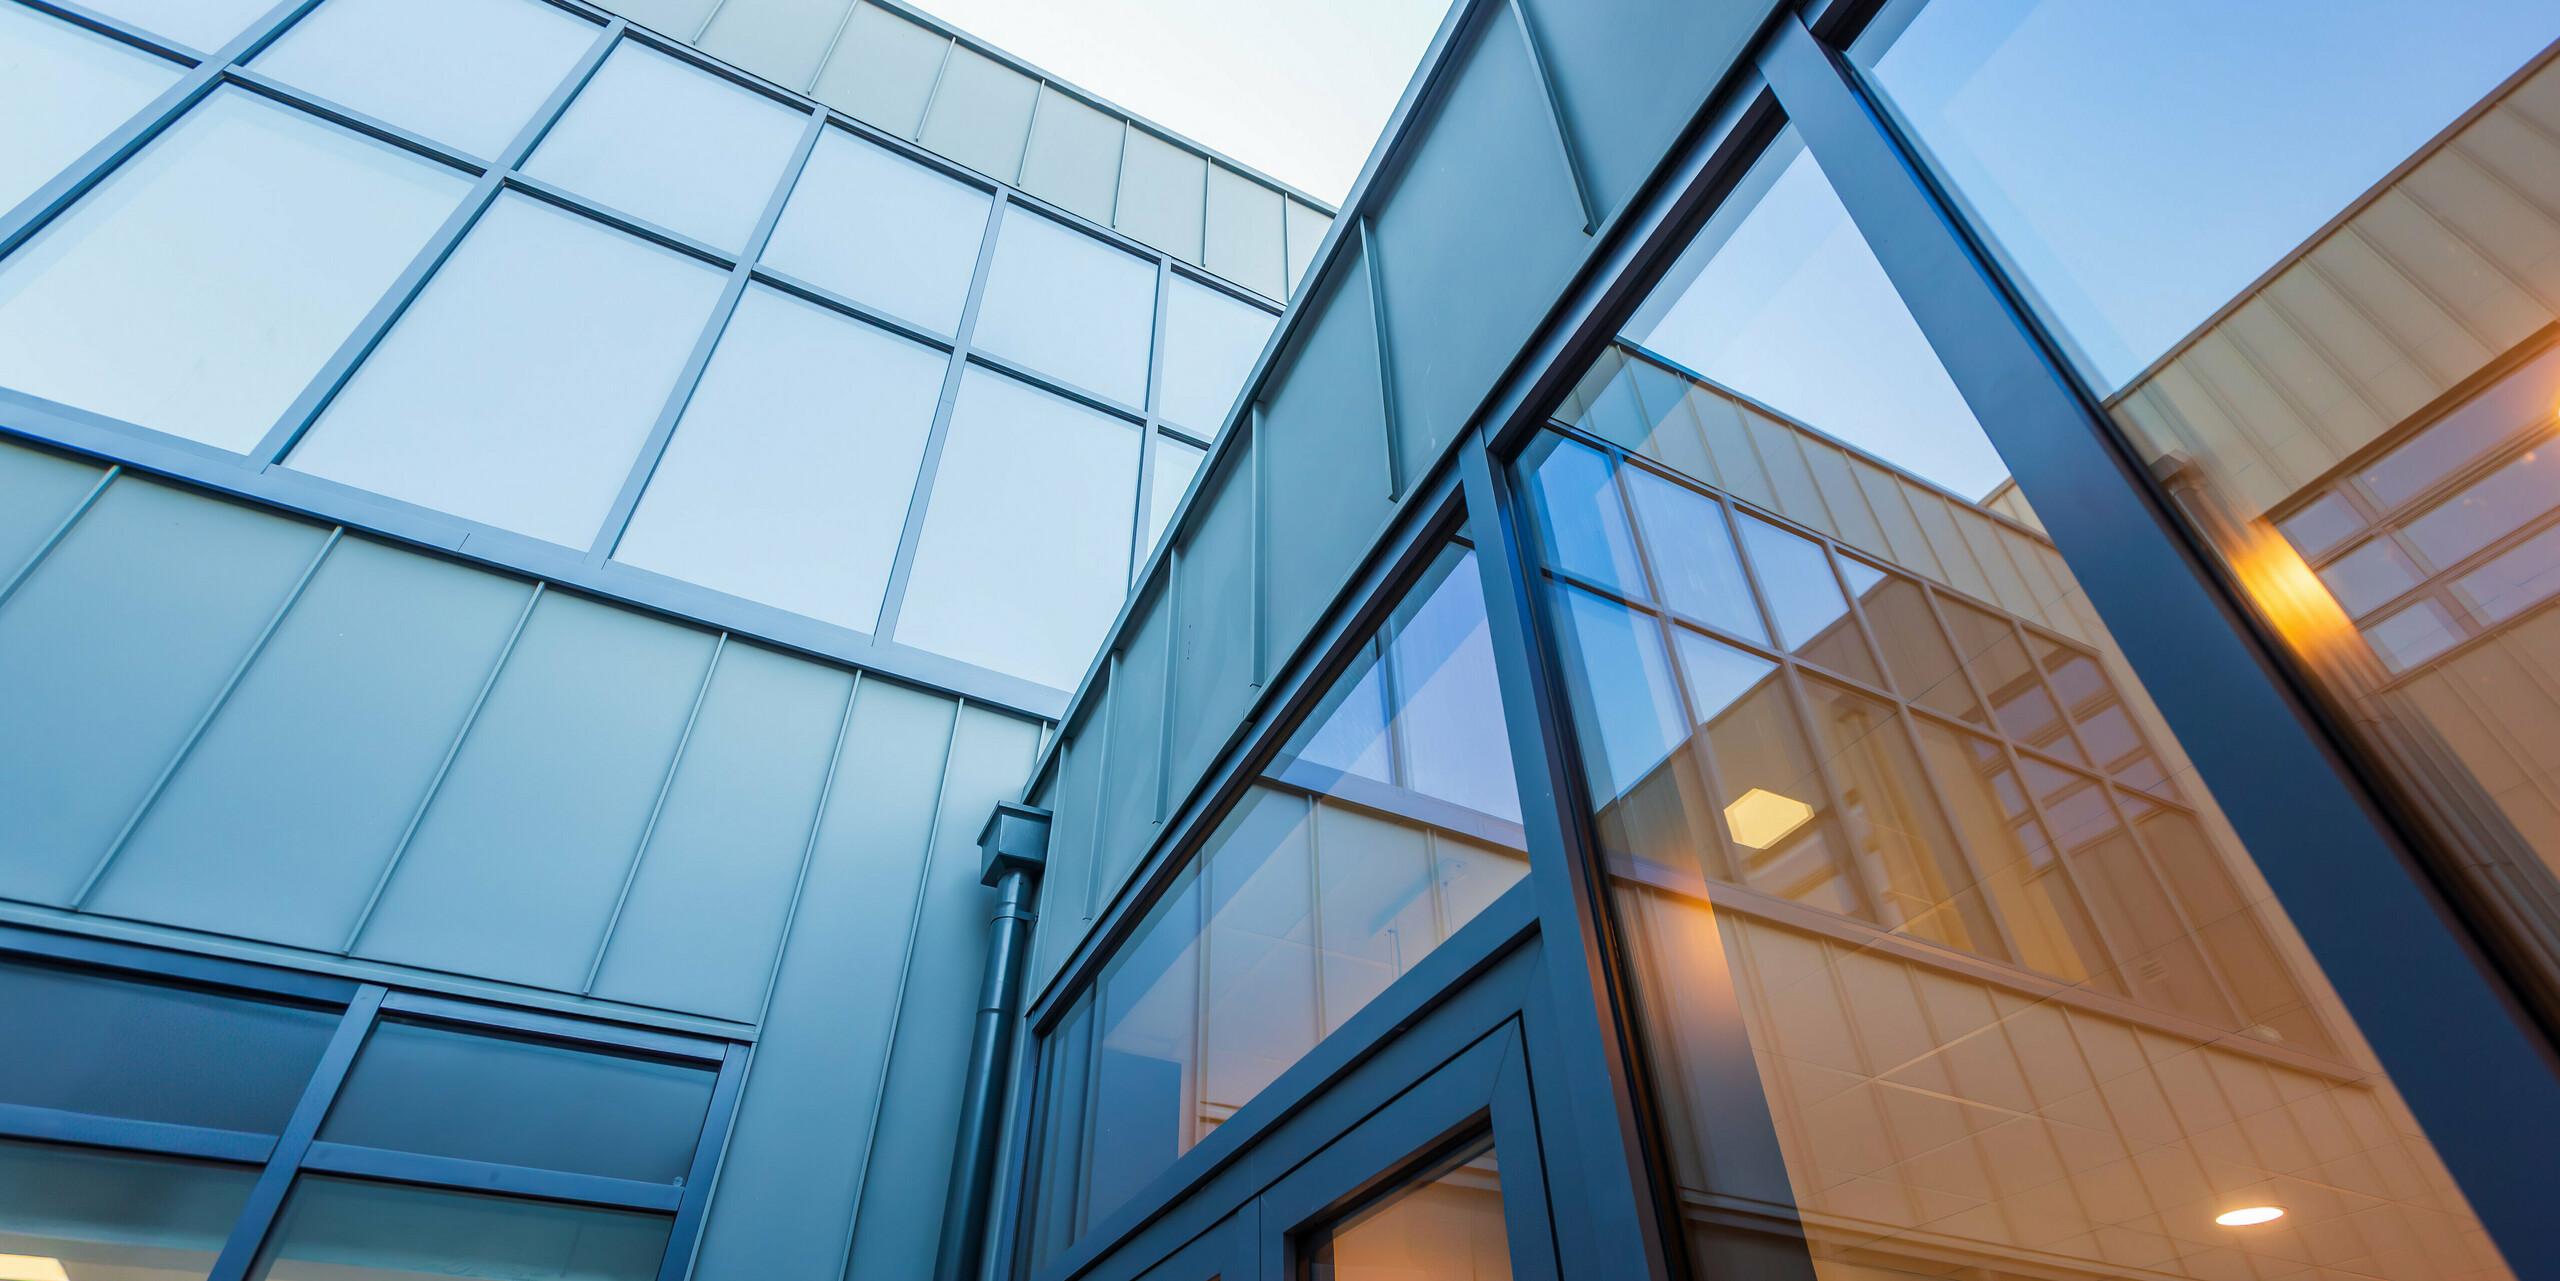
1878 799
1387 821
131 1142
502 263
2321 298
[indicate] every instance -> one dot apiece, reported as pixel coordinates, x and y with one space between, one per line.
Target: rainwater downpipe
1014 846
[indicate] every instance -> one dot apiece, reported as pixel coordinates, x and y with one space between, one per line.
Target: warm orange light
2288 593
31 1267
2250 1217
1761 819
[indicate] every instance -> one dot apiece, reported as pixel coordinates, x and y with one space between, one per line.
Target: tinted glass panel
1210 341
65 88
467 73
199 289
2017 1001
155 1053
207 25
1176 464
1025 552
518 387
882 230
671 143
2315 310
420 1087
1387 822
81 1213
1069 306
1448 1229
345 1230
787 481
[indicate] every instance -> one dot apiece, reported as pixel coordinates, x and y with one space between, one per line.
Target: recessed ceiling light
31 1267
2251 1216
1761 818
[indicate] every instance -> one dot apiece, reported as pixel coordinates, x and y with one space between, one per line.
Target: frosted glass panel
883 230
199 289
680 147
1176 464
1069 306
1210 341
205 24
788 480
1025 553
519 386
468 73
62 90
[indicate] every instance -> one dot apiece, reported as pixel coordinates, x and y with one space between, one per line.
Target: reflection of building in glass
2013 995
2380 406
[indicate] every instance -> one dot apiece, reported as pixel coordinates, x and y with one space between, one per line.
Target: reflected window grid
504 171
2119 956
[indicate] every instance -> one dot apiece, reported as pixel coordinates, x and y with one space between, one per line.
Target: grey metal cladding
115 646
899 1221
1213 676
521 856
797 1152
981 114
1073 158
1066 905
784 40
277 824
1486 184
1132 782
38 492
1629 76
699 926
1325 474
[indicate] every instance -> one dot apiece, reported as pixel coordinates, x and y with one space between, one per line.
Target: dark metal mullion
893 598
67 187
412 281
708 1152
375 127
2434 1001
1604 1085
266 1197
771 277
486 1177
689 378
52 1125
116 29
1059 387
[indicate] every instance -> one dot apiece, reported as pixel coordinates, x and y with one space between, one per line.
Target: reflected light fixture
2250 1217
1761 818
31 1267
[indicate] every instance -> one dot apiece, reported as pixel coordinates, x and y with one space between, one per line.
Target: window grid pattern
295 1155
497 175
2063 807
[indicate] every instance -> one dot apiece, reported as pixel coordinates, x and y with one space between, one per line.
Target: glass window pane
2133 225
199 289
1693 552
155 1053
1210 342
676 145
421 1087
1582 526
1448 1229
348 1230
205 25
83 1213
1387 822
788 479
1176 464
518 387
1780 299
64 90
882 230
1999 936
468 73
1069 306
1024 557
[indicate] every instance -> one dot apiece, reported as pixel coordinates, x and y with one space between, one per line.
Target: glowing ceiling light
2250 1217
1761 819
31 1267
